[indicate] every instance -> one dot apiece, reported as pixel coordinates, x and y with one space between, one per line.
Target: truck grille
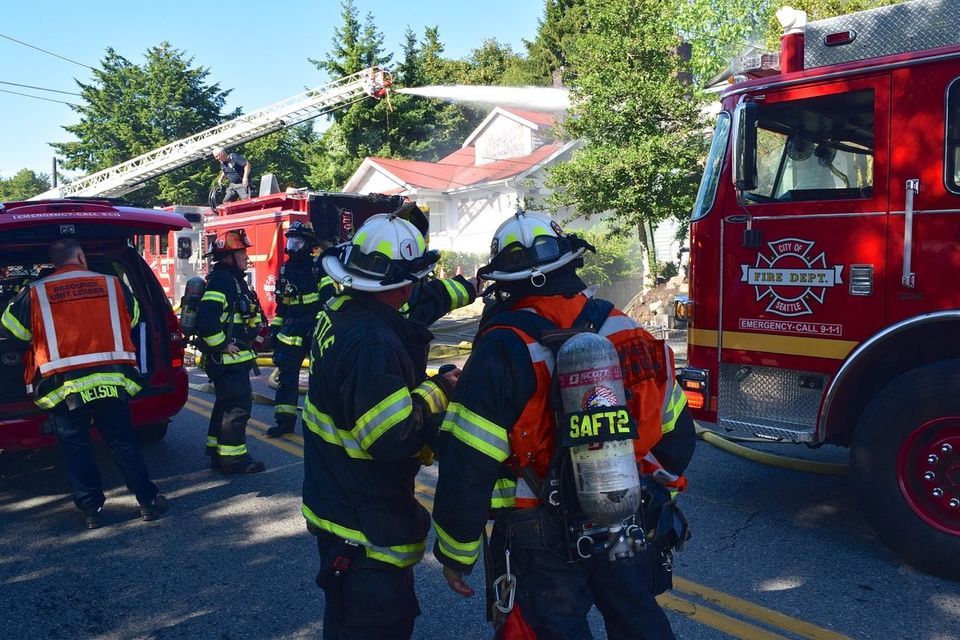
770 402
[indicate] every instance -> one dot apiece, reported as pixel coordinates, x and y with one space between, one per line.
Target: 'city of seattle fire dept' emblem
791 276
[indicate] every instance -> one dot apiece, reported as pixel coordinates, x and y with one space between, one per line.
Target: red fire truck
177 256
825 262
265 218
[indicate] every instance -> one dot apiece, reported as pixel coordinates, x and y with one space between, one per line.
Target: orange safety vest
79 319
648 378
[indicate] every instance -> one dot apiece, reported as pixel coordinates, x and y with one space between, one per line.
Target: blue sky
259 49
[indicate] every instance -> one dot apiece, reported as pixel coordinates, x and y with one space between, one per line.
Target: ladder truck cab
334 217
825 262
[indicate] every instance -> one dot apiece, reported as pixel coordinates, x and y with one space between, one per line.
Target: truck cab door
803 256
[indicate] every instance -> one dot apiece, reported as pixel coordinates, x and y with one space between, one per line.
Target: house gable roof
536 120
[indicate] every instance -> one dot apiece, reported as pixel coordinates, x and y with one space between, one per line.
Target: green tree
23 185
284 153
641 124
563 21
130 109
616 258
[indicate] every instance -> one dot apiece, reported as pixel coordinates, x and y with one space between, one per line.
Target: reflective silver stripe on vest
49 329
88 358
668 390
524 490
616 323
114 315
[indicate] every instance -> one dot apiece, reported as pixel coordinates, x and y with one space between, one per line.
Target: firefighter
228 319
235 169
370 410
301 292
82 366
500 438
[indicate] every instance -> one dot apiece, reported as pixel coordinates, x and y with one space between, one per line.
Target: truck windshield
711 170
816 149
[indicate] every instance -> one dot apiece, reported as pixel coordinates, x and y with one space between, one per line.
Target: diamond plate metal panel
900 28
770 402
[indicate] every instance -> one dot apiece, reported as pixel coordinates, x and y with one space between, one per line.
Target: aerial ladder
131 175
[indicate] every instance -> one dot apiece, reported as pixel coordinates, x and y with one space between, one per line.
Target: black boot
241 465
278 430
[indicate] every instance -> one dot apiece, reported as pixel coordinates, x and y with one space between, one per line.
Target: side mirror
745 146
184 248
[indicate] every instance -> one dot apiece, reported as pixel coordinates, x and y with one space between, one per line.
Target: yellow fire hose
771 459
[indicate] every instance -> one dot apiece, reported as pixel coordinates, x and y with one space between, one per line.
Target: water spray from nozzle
533 98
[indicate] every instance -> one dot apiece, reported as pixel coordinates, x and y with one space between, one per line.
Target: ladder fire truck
180 255
825 258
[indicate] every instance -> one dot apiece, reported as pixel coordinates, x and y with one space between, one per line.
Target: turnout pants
372 600
288 358
555 595
112 417
227 433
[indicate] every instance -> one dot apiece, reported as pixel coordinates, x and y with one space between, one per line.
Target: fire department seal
791 276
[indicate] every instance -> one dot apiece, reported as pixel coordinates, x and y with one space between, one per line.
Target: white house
471 191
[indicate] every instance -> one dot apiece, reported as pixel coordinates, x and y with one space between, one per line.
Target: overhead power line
55 55
27 95
30 86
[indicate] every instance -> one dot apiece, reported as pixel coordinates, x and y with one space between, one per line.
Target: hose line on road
771 459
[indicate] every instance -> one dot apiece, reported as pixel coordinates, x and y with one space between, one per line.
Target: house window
438 216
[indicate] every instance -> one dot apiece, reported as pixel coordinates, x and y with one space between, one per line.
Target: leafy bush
468 263
617 258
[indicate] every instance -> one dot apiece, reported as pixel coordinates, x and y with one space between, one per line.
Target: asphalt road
775 554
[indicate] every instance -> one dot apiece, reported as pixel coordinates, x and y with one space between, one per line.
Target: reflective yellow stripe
335 303
244 356
401 555
232 449
285 408
79 385
463 552
433 395
678 400
504 494
214 296
457 292
392 410
13 326
276 322
212 441
215 339
322 424
293 341
326 281
136 312
476 431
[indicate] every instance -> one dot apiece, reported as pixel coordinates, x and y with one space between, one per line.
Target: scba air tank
598 430
190 303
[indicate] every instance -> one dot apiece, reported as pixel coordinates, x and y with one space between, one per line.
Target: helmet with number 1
386 253
227 242
528 246
300 239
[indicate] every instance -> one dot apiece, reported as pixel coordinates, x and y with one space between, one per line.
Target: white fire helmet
529 245
386 253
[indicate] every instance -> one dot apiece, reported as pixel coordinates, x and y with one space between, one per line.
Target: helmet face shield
295 244
516 257
382 267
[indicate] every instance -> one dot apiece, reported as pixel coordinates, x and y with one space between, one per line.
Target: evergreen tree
563 21
23 185
131 109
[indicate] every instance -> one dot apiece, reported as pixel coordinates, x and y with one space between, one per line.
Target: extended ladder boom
129 176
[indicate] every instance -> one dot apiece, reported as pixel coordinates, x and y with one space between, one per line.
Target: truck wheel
905 461
150 433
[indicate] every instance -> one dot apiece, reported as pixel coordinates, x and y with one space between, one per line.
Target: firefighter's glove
434 393
456 582
426 456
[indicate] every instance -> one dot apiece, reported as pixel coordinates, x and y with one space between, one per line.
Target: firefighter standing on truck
370 410
301 292
82 366
228 320
500 438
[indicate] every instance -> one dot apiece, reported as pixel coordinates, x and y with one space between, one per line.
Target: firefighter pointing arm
502 451
369 410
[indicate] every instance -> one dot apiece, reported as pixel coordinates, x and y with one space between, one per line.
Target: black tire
150 433
891 422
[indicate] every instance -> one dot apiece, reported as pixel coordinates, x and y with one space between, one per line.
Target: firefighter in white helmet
370 409
502 453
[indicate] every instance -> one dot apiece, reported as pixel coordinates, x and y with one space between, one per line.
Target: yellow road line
292 437
192 405
755 611
715 619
